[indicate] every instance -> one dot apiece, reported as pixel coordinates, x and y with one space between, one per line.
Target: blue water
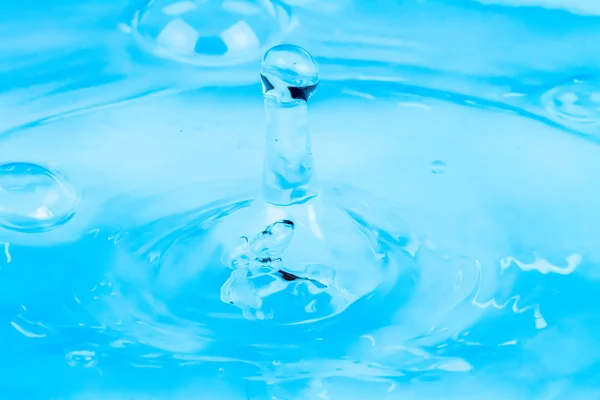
444 243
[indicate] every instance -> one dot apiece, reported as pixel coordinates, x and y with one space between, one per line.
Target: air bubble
438 167
34 199
208 33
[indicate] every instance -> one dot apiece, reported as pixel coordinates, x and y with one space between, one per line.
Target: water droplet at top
33 198
289 74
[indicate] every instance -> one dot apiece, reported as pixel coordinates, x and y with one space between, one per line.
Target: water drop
82 358
289 76
34 199
210 32
438 167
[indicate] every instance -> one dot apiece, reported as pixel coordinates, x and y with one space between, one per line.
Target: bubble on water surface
210 32
438 167
575 104
34 199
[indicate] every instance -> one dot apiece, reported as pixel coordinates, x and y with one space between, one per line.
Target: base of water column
226 260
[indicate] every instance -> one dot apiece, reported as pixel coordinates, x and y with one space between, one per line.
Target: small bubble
438 167
82 358
34 199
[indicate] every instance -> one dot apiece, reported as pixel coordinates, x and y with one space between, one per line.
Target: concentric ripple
208 33
575 104
34 199
201 265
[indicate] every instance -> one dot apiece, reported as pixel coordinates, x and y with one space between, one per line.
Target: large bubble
209 32
34 199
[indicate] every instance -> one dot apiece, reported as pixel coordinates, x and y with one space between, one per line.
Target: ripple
578 7
544 266
209 33
28 332
575 104
82 358
189 276
34 199
297 276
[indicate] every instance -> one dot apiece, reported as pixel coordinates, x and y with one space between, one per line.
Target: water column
289 77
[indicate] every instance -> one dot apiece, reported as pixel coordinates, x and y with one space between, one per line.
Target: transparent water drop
82 358
438 167
209 32
289 76
34 199
575 104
